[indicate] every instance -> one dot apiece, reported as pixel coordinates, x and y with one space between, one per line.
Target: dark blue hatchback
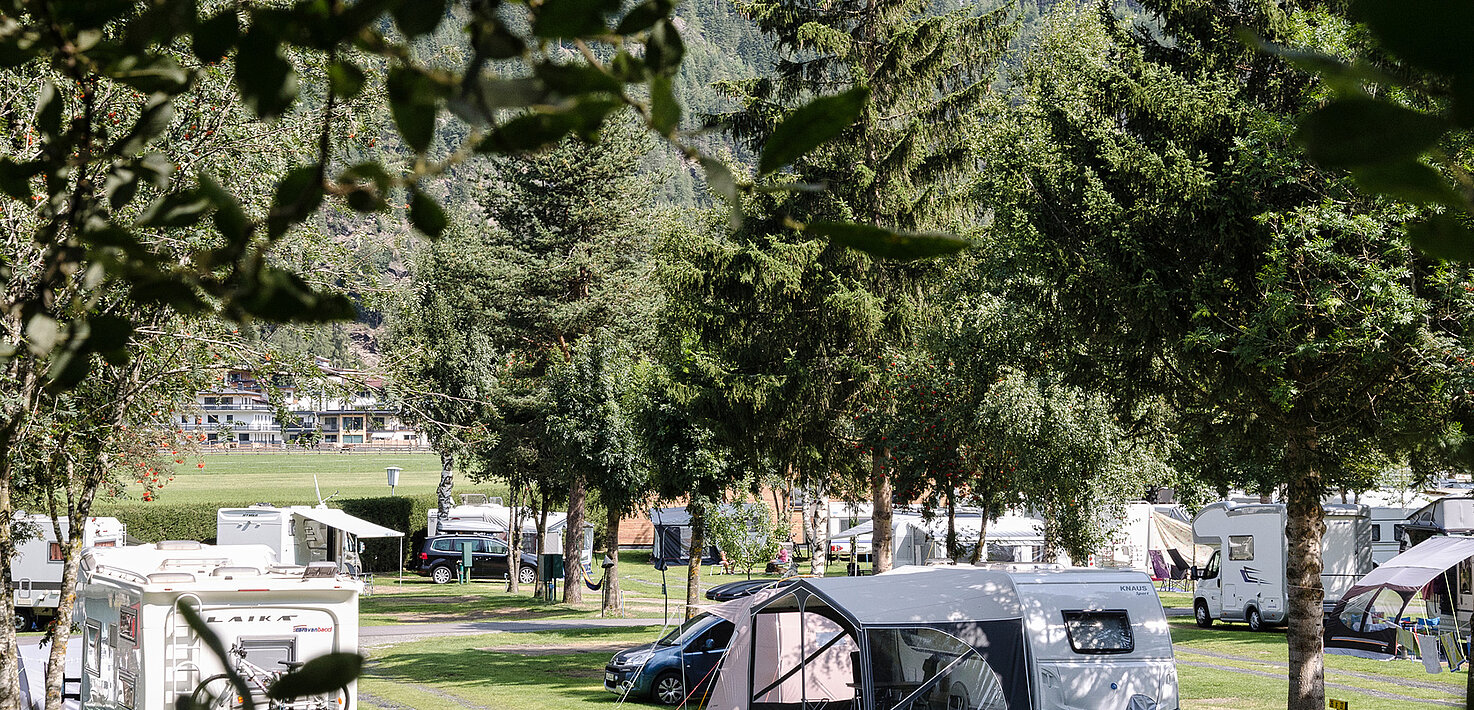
681 663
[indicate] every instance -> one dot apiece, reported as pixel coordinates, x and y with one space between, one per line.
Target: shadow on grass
456 603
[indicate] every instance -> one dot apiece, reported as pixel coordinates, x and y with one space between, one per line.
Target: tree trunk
819 540
953 551
881 553
693 569
447 480
542 535
612 602
1304 528
979 551
573 543
61 629
9 652
514 540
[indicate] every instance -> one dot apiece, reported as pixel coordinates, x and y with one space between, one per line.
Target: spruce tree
927 73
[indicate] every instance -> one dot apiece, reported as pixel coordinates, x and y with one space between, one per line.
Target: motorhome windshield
685 632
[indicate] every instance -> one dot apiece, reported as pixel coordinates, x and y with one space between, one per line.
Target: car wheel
1200 613
669 689
22 621
441 575
526 575
1256 622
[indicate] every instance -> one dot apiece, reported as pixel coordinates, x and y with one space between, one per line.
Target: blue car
663 671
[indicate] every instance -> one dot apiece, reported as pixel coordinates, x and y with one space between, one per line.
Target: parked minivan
441 555
686 658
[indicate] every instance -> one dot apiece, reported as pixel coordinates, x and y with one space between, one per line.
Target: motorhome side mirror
1196 573
710 644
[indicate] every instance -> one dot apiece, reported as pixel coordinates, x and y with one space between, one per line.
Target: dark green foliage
396 513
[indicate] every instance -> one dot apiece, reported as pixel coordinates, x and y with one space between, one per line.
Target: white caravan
301 534
138 651
1387 533
495 519
1028 637
1245 578
35 570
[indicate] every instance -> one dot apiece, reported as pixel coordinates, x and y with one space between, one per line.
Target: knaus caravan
1245 578
1014 637
138 652
36 567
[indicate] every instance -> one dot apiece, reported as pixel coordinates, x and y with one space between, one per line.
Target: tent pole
400 580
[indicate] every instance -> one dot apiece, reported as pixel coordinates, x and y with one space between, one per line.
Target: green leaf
497 93
627 68
720 181
15 178
120 186
644 16
319 676
49 106
577 79
665 110
155 118
150 74
19 44
420 17
885 243
664 50
230 218
267 82
214 38
1444 237
811 125
1356 132
280 295
173 293
412 103
425 214
370 171
179 209
345 78
297 196
1432 34
1407 180
494 40
534 131
572 18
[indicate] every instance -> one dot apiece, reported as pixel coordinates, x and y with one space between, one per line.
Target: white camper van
1245 578
138 651
36 568
1028 637
300 534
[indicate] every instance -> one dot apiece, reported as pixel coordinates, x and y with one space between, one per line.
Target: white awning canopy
335 518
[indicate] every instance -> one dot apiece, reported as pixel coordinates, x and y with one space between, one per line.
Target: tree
1151 180
747 532
919 77
593 423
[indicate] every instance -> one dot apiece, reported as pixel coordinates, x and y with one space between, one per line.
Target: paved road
370 636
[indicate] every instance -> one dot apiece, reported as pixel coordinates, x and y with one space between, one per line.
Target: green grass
529 671
286 478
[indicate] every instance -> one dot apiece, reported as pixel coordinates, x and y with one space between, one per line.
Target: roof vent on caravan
170 578
177 545
320 569
233 572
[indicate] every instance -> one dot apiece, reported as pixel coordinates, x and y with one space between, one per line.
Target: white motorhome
300 534
35 570
138 651
1245 578
1030 637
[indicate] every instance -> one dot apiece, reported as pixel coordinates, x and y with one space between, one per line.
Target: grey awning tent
672 543
939 636
1365 622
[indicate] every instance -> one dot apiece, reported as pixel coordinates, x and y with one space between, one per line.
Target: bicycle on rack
218 693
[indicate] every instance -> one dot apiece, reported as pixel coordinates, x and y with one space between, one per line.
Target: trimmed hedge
152 522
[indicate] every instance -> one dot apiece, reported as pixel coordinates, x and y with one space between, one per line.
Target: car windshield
683 633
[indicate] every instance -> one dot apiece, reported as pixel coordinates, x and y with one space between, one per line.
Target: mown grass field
287 478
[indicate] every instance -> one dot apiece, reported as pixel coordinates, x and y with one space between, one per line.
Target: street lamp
393 473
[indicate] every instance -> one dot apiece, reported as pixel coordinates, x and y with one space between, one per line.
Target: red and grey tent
1365 621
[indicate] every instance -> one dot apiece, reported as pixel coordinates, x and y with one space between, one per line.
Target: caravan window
1377 532
1241 547
1099 631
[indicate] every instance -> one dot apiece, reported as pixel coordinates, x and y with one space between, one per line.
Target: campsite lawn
529 671
287 478
1227 666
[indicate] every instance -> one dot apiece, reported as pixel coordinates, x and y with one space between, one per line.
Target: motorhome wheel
1256 622
669 689
1200 612
526 575
22 621
441 575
